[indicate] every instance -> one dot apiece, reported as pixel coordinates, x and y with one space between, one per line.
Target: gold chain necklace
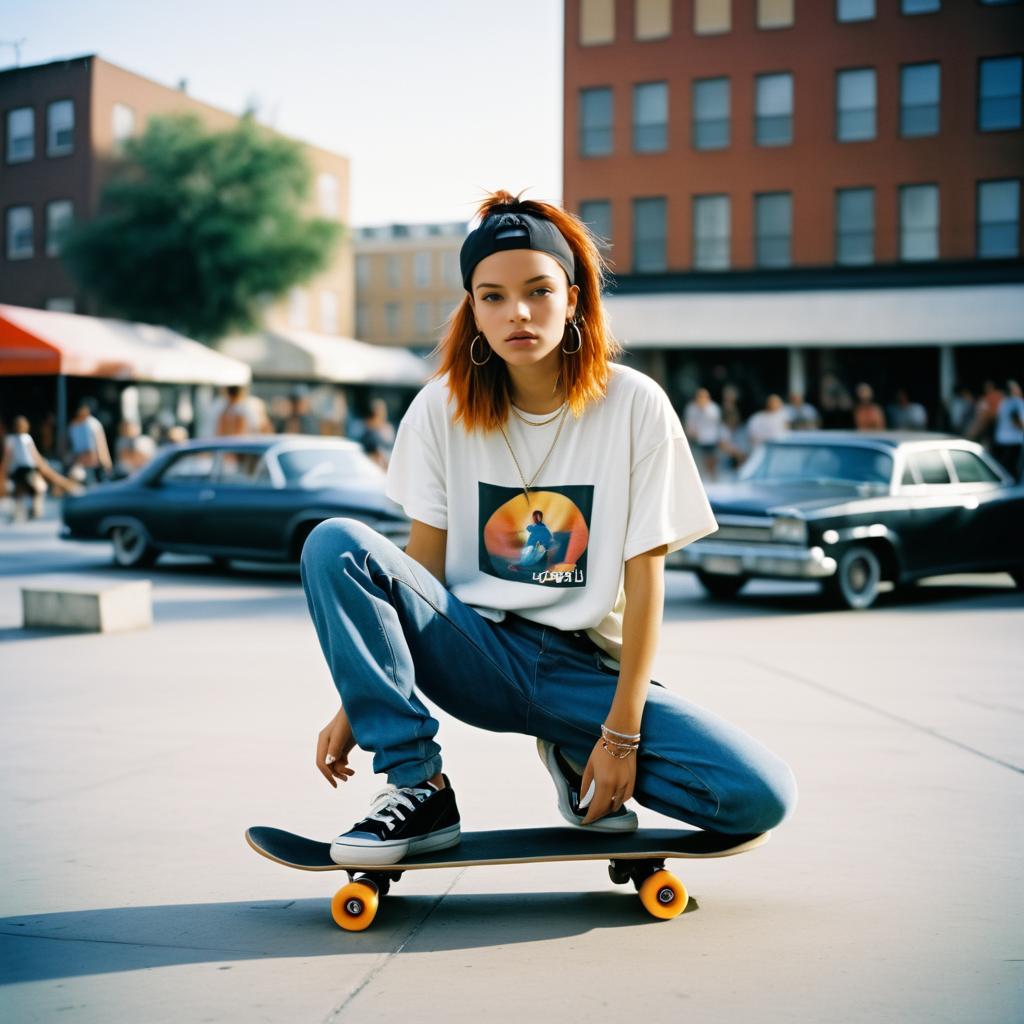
535 423
526 486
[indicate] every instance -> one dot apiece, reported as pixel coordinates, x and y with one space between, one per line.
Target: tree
196 229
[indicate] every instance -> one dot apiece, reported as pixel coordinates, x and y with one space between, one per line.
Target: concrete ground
131 764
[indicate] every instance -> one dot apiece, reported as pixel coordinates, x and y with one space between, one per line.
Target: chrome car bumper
779 560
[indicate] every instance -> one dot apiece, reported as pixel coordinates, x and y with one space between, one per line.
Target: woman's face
523 292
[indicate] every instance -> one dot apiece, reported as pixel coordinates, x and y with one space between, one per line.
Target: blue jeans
388 628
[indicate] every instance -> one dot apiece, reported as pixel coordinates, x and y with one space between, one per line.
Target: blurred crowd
31 466
723 439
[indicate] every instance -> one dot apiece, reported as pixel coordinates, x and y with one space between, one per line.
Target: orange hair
481 393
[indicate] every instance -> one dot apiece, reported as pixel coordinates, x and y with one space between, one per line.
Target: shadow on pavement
89 942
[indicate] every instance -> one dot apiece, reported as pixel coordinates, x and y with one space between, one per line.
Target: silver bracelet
621 735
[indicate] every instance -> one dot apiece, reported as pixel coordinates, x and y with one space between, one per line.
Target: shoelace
388 803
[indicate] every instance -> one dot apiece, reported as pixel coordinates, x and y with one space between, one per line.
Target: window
394 271
855 105
712 16
773 229
450 268
298 308
597 215
60 128
597 22
191 467
919 100
652 19
774 13
711 232
327 192
919 6
421 268
919 222
58 220
774 112
855 10
329 312
392 313
242 468
970 469
362 320
649 235
999 88
650 117
20 233
855 226
929 467
422 314
711 113
21 135
362 271
998 219
595 122
122 123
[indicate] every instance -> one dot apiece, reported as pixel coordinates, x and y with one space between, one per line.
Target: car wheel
858 575
720 586
131 549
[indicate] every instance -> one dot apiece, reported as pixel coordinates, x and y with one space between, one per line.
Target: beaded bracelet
626 750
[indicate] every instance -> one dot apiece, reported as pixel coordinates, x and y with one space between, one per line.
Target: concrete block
92 606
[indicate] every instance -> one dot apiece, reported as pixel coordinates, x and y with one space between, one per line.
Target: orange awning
38 342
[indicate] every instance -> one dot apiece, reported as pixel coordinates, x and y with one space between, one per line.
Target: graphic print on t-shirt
541 542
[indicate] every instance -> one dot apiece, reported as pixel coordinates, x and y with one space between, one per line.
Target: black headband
505 230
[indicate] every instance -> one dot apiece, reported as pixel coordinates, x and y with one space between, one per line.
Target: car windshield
818 462
327 467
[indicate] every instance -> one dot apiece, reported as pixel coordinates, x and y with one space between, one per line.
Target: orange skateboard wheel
663 895
355 906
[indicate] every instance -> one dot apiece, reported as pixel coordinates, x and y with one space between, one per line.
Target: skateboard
638 857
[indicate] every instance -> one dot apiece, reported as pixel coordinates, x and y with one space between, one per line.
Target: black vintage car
246 498
855 509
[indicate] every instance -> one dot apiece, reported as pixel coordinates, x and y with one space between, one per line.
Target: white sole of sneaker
390 851
624 823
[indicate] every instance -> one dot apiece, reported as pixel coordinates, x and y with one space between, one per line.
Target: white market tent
836 318
38 342
295 355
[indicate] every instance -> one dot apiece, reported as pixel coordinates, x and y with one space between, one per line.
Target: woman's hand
333 746
614 777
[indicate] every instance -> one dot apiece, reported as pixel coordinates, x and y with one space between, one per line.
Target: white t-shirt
1007 431
704 422
21 452
620 481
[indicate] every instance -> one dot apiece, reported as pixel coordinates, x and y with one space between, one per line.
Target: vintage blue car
244 498
856 509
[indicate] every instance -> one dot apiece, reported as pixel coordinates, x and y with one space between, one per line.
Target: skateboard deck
638 857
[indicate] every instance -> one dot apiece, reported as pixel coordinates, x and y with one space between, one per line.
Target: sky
434 102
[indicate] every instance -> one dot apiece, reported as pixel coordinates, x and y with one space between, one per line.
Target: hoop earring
474 362
579 338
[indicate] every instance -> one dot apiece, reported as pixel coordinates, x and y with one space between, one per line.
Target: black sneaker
567 784
403 820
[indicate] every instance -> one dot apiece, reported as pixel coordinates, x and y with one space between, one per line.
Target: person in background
702 421
300 418
242 414
835 403
132 450
90 459
960 411
28 472
378 436
800 414
176 434
907 415
867 413
1008 436
734 443
768 424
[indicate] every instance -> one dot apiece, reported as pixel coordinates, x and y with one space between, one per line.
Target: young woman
527 414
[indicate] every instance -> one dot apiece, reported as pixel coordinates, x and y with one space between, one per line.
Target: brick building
792 189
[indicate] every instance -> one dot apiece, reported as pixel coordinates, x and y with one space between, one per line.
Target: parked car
254 498
854 509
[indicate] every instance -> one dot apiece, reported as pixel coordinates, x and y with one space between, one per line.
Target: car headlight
788 530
